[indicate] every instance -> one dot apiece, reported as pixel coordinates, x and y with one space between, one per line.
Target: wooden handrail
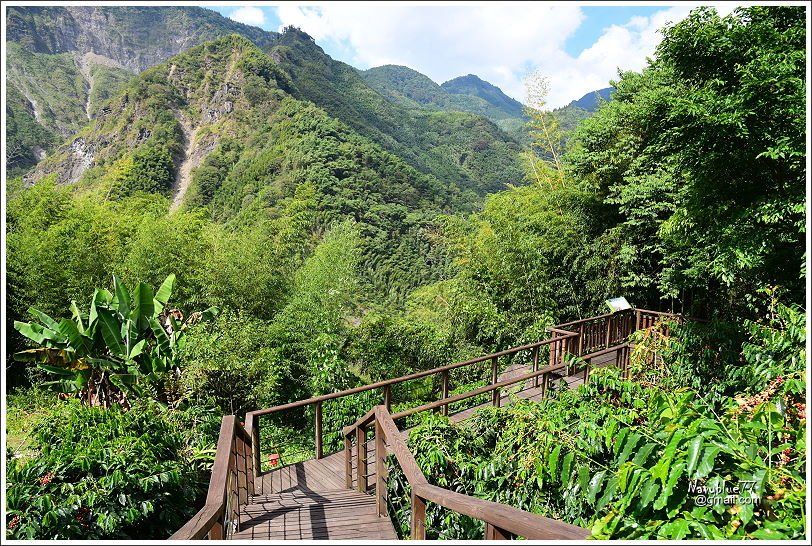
500 520
513 520
233 457
476 392
401 379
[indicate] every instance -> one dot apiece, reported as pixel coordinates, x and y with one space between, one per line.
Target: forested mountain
465 150
63 62
474 86
592 100
216 127
409 87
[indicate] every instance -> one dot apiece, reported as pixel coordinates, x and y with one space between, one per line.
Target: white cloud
499 42
249 15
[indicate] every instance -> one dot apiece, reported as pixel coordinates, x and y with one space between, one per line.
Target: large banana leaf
143 307
107 364
43 318
78 342
121 299
39 334
56 370
163 340
77 316
46 355
165 291
111 332
101 300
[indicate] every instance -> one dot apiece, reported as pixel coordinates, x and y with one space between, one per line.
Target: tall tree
703 152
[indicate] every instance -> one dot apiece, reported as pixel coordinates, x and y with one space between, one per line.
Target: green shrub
110 474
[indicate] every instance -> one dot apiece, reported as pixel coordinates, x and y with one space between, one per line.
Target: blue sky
578 48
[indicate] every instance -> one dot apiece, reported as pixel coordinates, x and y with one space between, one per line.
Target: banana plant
125 344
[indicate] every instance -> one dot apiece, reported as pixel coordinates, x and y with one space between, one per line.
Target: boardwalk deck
309 500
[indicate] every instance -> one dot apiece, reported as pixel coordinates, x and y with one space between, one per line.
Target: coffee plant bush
110 473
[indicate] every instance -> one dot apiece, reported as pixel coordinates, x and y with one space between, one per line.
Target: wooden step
305 514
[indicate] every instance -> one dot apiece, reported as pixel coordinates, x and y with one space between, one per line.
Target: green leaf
673 477
608 492
210 313
706 464
121 300
165 290
124 380
111 332
76 314
674 530
56 370
164 343
694 450
78 342
648 492
553 460
631 443
137 349
37 333
143 307
594 486
43 318
643 453
566 468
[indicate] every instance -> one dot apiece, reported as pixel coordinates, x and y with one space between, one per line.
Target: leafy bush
639 460
111 474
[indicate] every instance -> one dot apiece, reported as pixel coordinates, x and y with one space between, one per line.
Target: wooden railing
252 423
501 521
238 461
231 485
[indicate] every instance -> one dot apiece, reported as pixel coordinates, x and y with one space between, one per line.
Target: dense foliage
109 473
702 154
632 459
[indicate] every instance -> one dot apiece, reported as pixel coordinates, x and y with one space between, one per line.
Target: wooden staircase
327 497
322 514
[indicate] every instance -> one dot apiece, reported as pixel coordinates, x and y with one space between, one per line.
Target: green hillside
63 62
464 150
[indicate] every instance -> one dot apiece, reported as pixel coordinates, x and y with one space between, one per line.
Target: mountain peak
593 99
472 84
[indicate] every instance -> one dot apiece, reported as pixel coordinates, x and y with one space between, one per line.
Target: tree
703 153
126 343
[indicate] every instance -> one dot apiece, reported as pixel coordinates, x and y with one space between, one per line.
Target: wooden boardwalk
309 500
313 499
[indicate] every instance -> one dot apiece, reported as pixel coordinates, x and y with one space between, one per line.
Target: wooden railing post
608 331
636 319
252 427
493 532
387 397
494 378
319 448
544 381
361 458
418 518
581 339
348 462
380 470
444 390
241 467
536 365
216 532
